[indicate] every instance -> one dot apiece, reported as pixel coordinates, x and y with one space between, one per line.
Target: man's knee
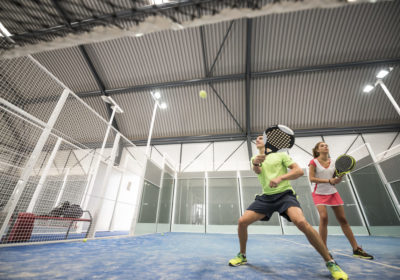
242 222
301 224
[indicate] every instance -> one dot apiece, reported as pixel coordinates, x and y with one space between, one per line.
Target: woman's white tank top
323 173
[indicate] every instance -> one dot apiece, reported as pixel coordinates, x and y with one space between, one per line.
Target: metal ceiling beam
208 73
247 86
220 49
326 67
203 49
298 133
165 85
89 62
346 130
242 76
102 87
226 107
99 83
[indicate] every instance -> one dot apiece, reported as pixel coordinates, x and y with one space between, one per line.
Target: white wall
221 156
126 202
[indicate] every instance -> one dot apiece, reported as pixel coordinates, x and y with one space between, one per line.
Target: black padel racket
344 164
278 137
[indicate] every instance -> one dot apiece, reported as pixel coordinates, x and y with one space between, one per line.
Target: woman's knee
342 220
323 219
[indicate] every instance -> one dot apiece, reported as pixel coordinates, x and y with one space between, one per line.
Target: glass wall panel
250 188
148 209
396 189
223 205
189 205
164 207
390 168
378 207
351 210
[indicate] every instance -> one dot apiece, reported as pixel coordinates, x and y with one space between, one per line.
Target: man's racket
344 164
278 137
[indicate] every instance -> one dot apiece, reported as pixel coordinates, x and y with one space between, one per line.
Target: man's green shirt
274 165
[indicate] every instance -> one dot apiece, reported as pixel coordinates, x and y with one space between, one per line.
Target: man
278 195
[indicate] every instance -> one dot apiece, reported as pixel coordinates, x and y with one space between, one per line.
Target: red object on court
22 228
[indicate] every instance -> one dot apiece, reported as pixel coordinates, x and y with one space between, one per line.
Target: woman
325 194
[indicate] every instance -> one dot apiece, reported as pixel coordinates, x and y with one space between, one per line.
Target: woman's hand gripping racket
278 137
344 164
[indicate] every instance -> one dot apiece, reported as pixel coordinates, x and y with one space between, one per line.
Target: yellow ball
84 240
203 94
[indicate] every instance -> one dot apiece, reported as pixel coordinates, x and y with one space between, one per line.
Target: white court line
346 255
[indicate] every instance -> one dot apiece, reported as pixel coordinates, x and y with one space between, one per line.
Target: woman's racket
278 137
344 164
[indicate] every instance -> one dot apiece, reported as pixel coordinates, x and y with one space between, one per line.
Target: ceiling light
368 88
117 109
158 2
108 99
382 74
156 95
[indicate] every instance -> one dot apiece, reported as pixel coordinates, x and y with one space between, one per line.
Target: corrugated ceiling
302 100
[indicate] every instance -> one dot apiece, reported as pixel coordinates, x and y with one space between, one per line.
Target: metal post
151 128
360 207
205 209
89 187
138 199
57 202
240 192
173 202
159 193
385 89
141 182
44 176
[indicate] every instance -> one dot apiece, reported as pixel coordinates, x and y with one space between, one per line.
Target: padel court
195 256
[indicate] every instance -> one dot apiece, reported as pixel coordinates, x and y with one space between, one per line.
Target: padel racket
278 137
344 164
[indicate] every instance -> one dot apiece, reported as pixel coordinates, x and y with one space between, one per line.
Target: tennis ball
203 94
84 240
162 233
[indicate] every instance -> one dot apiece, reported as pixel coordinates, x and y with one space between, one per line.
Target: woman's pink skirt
328 199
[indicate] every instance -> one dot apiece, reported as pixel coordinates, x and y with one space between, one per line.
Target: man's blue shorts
268 204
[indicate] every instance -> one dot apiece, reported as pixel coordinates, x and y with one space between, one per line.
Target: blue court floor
196 256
